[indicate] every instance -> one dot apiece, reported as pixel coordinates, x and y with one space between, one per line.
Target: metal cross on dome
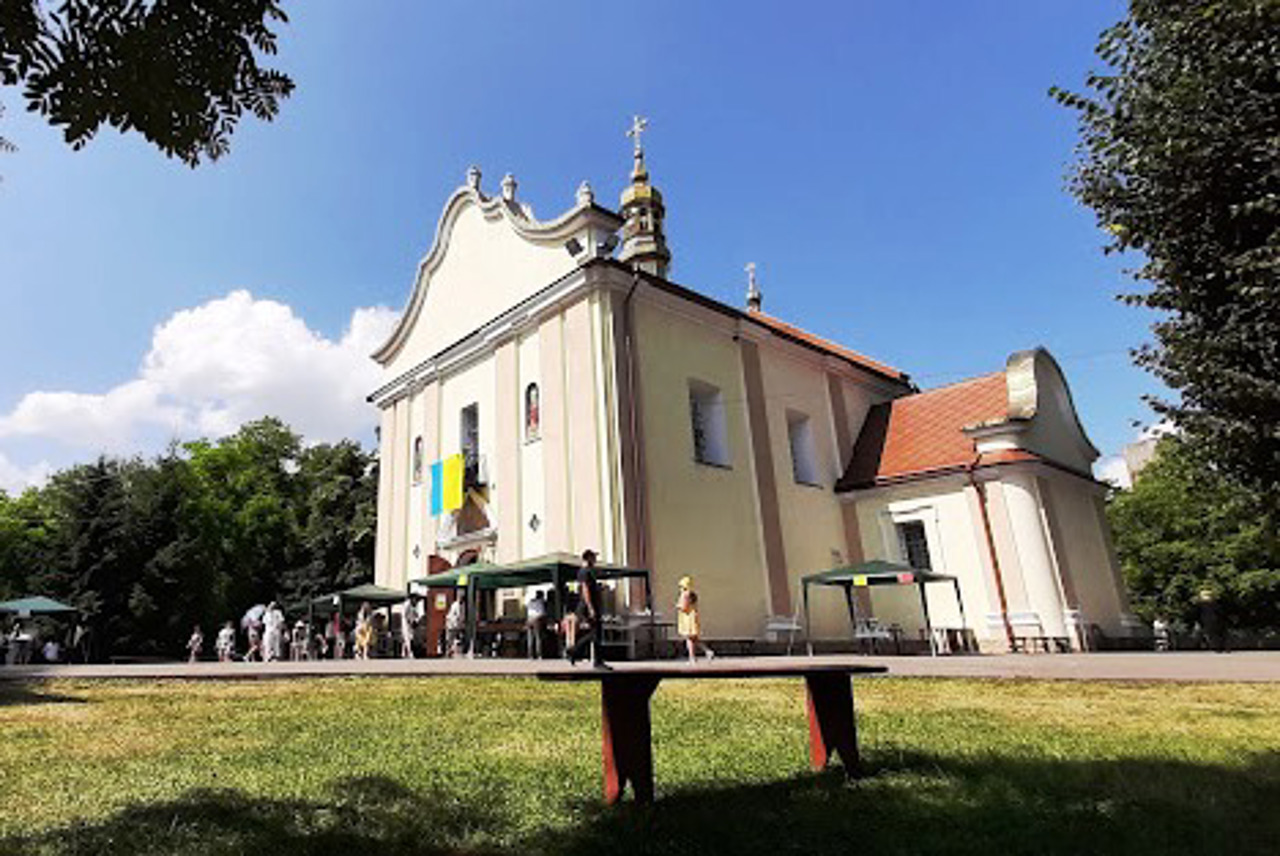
638 125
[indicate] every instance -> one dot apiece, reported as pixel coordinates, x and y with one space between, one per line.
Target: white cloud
1114 470
14 478
214 367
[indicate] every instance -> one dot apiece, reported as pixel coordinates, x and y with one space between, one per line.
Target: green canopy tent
878 572
350 600
25 607
554 569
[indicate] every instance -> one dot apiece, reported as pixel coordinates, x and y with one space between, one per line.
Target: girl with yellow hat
688 624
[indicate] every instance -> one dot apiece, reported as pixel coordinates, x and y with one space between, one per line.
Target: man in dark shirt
589 612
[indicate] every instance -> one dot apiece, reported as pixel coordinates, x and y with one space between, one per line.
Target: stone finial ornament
509 187
586 196
473 178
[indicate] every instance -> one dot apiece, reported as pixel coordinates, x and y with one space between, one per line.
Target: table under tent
18 648
557 570
878 572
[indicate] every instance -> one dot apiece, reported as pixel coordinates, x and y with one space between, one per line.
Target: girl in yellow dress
688 624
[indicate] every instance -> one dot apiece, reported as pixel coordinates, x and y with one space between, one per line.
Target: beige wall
1085 543
703 520
487 269
532 478
945 510
812 527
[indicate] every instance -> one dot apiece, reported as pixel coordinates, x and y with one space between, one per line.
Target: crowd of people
264 633
267 636
27 643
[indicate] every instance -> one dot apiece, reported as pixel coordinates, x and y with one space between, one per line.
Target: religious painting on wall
532 417
417 460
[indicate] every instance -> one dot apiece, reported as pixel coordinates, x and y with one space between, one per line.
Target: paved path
1173 666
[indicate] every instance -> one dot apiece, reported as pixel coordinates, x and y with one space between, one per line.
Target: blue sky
896 171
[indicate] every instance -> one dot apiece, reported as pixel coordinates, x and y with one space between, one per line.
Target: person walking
455 625
535 623
589 613
273 633
408 629
225 644
195 645
255 643
688 622
364 631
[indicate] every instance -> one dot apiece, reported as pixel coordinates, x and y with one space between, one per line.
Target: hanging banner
453 468
437 489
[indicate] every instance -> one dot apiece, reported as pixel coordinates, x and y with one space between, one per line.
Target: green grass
473 765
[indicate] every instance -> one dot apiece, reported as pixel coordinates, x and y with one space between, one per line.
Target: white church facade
549 389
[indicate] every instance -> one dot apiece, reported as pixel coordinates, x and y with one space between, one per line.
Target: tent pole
808 637
471 600
964 622
853 611
928 625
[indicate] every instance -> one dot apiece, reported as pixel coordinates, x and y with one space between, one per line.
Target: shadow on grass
909 804
14 693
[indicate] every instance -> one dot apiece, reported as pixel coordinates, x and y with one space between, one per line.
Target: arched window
417 460
532 413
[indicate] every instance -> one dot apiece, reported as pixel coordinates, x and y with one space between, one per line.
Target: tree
1184 528
180 72
1180 160
194 536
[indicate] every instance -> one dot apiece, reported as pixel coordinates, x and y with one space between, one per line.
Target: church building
549 389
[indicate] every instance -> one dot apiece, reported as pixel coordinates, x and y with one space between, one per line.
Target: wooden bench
1047 644
727 646
626 737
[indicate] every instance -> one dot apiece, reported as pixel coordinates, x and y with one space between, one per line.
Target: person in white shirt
535 623
455 621
225 644
273 632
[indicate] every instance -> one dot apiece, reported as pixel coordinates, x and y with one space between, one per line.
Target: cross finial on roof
638 126
753 290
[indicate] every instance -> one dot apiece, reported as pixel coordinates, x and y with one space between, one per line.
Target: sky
895 170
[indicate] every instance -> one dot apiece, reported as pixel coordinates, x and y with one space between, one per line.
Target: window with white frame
915 544
707 421
804 458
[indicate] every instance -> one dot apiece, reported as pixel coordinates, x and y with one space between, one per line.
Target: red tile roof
922 433
826 345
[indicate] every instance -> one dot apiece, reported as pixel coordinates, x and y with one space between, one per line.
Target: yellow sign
860 580
462 580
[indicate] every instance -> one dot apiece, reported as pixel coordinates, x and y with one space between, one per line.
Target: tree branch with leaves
180 72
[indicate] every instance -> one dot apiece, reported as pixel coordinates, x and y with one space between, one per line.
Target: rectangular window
915 545
804 460
470 434
707 421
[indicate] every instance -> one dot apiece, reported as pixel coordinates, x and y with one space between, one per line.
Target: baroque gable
489 254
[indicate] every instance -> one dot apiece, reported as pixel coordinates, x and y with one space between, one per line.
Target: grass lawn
386 766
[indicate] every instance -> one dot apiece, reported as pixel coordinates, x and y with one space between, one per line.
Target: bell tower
643 242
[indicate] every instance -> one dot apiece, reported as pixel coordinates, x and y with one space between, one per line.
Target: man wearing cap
588 612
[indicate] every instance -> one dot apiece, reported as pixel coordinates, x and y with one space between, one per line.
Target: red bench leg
832 723
627 740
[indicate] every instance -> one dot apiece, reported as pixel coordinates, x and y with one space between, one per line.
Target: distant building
548 388
1138 455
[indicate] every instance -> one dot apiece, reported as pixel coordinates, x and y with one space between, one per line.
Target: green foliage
1184 528
197 535
181 73
1180 142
